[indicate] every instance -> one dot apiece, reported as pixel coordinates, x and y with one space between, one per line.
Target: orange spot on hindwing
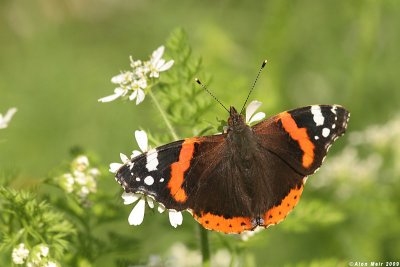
221 224
179 168
300 135
279 212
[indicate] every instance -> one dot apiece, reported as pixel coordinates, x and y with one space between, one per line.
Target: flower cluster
131 84
4 120
137 214
81 180
37 256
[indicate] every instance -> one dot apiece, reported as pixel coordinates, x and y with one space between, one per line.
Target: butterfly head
236 120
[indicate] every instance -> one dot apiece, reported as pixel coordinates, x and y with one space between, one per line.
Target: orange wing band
179 168
300 135
278 213
221 224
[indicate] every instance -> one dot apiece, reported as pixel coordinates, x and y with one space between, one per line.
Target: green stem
205 249
164 116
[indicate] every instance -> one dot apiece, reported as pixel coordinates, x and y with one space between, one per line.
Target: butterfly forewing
303 136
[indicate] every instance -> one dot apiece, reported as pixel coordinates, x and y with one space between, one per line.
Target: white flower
67 182
7 118
51 264
137 214
114 167
43 250
19 254
81 180
251 108
80 163
175 218
157 64
134 82
142 141
138 93
246 235
135 63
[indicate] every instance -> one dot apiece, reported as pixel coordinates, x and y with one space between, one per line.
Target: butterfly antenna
205 89
254 84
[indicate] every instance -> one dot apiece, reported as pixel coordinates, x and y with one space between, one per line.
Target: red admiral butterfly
243 178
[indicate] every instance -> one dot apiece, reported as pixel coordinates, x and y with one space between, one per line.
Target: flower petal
161 208
175 218
133 95
157 54
140 96
9 114
150 202
135 153
114 167
137 214
166 66
257 117
251 108
117 93
109 98
117 79
141 139
123 157
130 198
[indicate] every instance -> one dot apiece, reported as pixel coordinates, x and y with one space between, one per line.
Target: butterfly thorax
241 139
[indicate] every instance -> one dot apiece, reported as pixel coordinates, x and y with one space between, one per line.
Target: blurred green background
57 58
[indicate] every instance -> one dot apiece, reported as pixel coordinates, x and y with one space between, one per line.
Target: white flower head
19 254
43 250
251 109
81 180
132 83
157 64
4 120
80 163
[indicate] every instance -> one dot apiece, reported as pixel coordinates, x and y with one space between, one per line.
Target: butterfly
244 178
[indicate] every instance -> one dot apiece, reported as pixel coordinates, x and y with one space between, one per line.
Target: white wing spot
161 180
317 115
316 137
152 161
333 109
149 180
325 132
137 179
333 126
